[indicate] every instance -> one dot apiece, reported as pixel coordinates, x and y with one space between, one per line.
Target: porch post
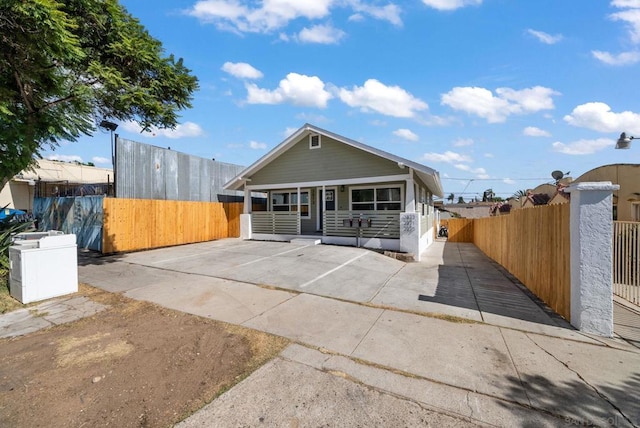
245 218
247 201
591 230
299 210
324 207
410 197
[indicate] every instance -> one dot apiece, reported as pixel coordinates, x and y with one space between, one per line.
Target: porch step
305 241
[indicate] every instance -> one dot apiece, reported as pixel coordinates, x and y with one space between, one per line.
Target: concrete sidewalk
507 360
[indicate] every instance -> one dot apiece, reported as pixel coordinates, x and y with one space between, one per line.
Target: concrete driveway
361 315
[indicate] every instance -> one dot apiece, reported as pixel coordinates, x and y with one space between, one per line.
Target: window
314 141
376 199
288 201
635 212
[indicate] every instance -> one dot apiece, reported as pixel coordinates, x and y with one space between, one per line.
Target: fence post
591 230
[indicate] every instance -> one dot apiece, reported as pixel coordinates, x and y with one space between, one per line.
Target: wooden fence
533 244
460 229
137 224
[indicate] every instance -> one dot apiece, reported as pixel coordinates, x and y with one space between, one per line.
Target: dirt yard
135 364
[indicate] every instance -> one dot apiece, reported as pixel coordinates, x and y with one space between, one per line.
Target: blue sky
491 93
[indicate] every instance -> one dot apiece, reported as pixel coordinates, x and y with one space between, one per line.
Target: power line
495 179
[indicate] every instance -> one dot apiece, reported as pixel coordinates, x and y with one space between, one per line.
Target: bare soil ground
135 364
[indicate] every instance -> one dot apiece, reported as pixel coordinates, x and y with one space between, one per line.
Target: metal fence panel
82 216
626 260
149 172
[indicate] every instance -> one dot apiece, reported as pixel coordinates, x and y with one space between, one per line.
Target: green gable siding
333 160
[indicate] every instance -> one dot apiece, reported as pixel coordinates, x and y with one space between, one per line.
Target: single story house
324 186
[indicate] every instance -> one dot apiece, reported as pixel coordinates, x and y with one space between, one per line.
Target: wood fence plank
137 224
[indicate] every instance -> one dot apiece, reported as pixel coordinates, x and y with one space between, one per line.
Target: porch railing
626 260
384 224
275 222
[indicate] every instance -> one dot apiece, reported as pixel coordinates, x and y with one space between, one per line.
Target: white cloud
599 117
239 16
65 158
288 131
100 160
407 134
508 181
450 4
626 3
489 155
532 131
545 37
257 146
462 142
184 130
297 89
241 70
448 156
389 12
623 58
242 16
630 16
496 108
388 100
479 172
583 147
356 17
321 34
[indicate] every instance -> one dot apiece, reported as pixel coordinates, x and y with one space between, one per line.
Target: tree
66 66
451 197
520 194
460 200
488 195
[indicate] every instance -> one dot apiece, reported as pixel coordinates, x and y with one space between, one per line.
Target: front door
329 204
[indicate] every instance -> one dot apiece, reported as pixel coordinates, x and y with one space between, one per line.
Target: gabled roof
428 175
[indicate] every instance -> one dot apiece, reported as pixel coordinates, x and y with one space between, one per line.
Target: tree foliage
65 66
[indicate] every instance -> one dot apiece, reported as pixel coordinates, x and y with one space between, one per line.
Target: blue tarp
6 212
80 215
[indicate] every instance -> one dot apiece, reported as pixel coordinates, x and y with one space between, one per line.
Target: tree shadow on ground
576 403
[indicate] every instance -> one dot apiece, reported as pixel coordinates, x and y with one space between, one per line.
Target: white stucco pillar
591 230
410 197
245 226
410 234
247 201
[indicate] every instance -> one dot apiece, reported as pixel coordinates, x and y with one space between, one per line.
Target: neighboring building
325 186
54 178
626 201
471 210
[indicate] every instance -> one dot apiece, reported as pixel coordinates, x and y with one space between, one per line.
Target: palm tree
451 197
520 194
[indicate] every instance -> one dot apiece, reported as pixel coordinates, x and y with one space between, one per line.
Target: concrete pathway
47 314
498 356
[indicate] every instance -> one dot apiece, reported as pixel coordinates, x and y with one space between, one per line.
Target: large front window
376 199
288 201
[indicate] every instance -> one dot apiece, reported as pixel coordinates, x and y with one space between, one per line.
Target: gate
626 260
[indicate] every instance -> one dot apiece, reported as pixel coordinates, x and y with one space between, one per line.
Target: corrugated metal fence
150 172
